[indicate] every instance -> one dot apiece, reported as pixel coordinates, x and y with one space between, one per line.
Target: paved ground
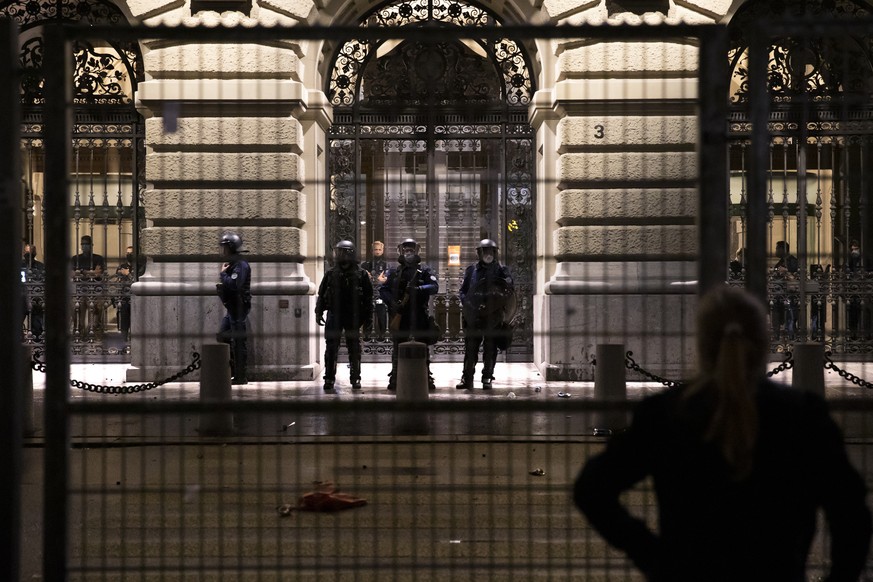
464 494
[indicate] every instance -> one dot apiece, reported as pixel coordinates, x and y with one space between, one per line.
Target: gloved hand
319 318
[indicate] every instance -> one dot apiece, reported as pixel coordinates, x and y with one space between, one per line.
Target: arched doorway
431 141
820 172
107 165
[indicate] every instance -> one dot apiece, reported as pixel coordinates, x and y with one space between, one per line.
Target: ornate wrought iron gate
108 171
431 141
819 176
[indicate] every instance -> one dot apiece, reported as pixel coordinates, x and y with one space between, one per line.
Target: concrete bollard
412 384
808 371
27 422
215 387
610 385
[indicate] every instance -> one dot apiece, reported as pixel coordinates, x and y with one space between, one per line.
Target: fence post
808 370
215 388
610 385
412 384
11 404
27 420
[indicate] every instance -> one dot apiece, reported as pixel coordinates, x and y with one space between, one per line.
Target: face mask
129 259
26 257
408 253
488 259
856 253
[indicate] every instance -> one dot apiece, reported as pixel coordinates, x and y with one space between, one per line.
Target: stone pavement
474 496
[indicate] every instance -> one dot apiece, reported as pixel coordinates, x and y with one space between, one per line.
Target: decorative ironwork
341 197
835 307
821 127
107 163
418 73
411 118
34 12
100 77
817 69
520 236
353 78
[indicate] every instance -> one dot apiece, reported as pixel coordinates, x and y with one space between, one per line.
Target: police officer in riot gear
234 289
486 293
346 294
406 292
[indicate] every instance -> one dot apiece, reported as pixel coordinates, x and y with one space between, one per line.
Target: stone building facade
238 137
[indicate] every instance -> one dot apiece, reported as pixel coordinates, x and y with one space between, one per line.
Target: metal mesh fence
603 181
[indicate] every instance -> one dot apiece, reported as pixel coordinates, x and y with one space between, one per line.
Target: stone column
224 153
625 204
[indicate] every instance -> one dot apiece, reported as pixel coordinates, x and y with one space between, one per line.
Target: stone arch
439 135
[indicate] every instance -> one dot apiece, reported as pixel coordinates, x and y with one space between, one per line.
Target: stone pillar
225 153
625 203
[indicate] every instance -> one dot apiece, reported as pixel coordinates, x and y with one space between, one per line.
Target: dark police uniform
234 290
346 294
406 293
33 271
484 294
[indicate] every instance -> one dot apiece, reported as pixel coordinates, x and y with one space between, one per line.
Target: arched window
431 141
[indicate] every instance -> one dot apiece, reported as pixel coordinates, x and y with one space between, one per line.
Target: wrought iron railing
834 307
100 314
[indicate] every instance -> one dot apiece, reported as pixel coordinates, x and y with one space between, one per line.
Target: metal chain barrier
786 364
830 365
630 364
131 389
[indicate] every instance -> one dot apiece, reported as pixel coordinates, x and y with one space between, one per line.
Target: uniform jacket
235 288
347 296
712 527
484 294
83 262
407 291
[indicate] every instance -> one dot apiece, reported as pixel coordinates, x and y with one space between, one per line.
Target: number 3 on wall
598 131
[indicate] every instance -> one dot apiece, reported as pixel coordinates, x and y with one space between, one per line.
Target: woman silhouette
740 467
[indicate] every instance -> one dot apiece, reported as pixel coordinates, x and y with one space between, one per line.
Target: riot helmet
344 253
231 241
487 251
408 250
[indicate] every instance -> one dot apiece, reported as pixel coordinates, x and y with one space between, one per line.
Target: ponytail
733 427
732 343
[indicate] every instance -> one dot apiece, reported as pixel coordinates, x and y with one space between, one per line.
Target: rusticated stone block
636 240
224 167
631 167
625 203
626 57
630 130
203 240
212 205
281 133
210 61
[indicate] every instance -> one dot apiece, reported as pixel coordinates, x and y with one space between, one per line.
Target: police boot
355 364
329 372
355 376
